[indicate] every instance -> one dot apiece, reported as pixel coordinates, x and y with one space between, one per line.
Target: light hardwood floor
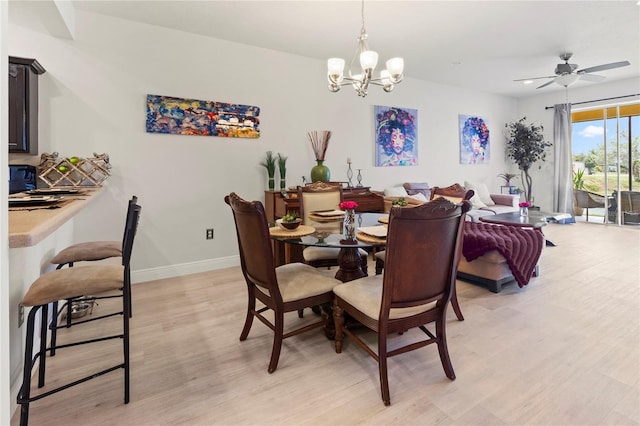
565 350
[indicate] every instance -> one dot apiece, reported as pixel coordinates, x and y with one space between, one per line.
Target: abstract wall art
180 116
396 136
474 140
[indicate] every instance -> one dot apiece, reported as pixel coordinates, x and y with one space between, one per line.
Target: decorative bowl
289 226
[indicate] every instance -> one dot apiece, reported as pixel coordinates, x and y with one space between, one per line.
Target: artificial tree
526 146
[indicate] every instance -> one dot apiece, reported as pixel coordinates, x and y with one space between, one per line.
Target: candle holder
349 176
359 185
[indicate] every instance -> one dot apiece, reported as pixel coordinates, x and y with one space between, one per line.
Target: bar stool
69 284
85 252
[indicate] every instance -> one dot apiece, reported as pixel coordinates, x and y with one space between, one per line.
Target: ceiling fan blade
604 67
546 84
535 78
592 77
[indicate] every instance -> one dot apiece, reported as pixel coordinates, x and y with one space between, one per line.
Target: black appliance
22 177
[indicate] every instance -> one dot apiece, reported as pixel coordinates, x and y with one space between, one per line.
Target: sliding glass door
606 164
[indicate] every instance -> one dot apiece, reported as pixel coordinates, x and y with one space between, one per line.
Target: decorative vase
272 183
524 211
349 224
320 172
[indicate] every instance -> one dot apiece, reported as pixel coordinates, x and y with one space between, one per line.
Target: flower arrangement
269 163
282 166
524 204
348 205
319 142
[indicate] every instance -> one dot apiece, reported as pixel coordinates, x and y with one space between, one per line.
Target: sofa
484 203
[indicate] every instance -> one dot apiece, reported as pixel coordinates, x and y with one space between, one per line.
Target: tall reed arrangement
282 166
269 163
319 142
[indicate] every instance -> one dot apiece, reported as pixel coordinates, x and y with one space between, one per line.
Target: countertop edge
48 225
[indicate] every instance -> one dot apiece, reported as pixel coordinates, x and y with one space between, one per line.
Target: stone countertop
28 227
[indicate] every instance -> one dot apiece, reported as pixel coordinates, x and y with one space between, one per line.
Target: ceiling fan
567 73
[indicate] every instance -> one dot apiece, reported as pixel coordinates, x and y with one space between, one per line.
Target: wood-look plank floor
564 350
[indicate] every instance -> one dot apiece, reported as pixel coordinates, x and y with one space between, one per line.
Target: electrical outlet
210 234
20 315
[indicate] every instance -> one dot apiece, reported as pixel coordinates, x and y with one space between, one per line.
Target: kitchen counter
29 227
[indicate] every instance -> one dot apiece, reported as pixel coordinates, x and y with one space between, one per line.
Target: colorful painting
179 116
396 136
474 140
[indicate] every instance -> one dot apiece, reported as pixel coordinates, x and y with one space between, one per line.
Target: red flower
525 204
348 205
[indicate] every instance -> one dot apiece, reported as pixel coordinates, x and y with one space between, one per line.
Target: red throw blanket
520 246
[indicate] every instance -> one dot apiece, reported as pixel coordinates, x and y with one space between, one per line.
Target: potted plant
282 166
526 146
269 163
508 177
578 184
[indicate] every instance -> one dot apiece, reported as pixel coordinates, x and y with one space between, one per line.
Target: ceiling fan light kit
567 74
368 59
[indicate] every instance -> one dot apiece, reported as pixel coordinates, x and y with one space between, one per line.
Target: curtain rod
599 100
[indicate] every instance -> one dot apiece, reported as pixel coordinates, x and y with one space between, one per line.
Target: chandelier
368 61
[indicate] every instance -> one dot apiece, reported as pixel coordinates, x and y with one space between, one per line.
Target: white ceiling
481 45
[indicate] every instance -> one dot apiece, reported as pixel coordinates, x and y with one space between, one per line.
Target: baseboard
171 271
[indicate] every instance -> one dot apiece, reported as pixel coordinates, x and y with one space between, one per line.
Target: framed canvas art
396 136
474 140
180 116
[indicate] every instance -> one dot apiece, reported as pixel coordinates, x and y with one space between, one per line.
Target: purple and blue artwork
474 140
178 116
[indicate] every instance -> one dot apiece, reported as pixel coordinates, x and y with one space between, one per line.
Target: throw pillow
419 197
395 191
481 192
418 188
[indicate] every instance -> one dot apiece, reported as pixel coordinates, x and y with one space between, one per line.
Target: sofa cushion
474 215
418 197
497 209
481 191
414 188
395 191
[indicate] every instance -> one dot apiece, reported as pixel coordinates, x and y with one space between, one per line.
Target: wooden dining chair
287 288
423 249
322 196
69 284
89 251
454 193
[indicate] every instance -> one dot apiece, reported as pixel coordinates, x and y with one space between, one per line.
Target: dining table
330 233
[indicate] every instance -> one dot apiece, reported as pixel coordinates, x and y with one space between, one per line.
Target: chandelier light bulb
368 60
336 69
395 66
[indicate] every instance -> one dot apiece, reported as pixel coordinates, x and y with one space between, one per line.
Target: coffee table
535 219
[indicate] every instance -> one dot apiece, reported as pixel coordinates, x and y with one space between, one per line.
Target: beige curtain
563 164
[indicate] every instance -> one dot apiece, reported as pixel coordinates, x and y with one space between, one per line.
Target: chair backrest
318 196
423 249
133 201
254 243
130 231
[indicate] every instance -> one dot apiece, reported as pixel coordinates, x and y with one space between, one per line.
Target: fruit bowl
289 226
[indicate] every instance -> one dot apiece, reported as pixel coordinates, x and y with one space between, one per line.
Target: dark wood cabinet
276 205
23 104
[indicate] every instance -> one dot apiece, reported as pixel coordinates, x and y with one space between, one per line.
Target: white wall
534 109
93 100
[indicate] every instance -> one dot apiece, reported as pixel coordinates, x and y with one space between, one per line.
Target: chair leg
455 304
277 340
338 320
300 313
54 328
379 266
442 347
251 307
42 366
24 395
382 366
126 314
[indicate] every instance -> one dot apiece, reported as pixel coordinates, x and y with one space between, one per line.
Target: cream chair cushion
92 250
323 253
298 281
365 294
74 282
